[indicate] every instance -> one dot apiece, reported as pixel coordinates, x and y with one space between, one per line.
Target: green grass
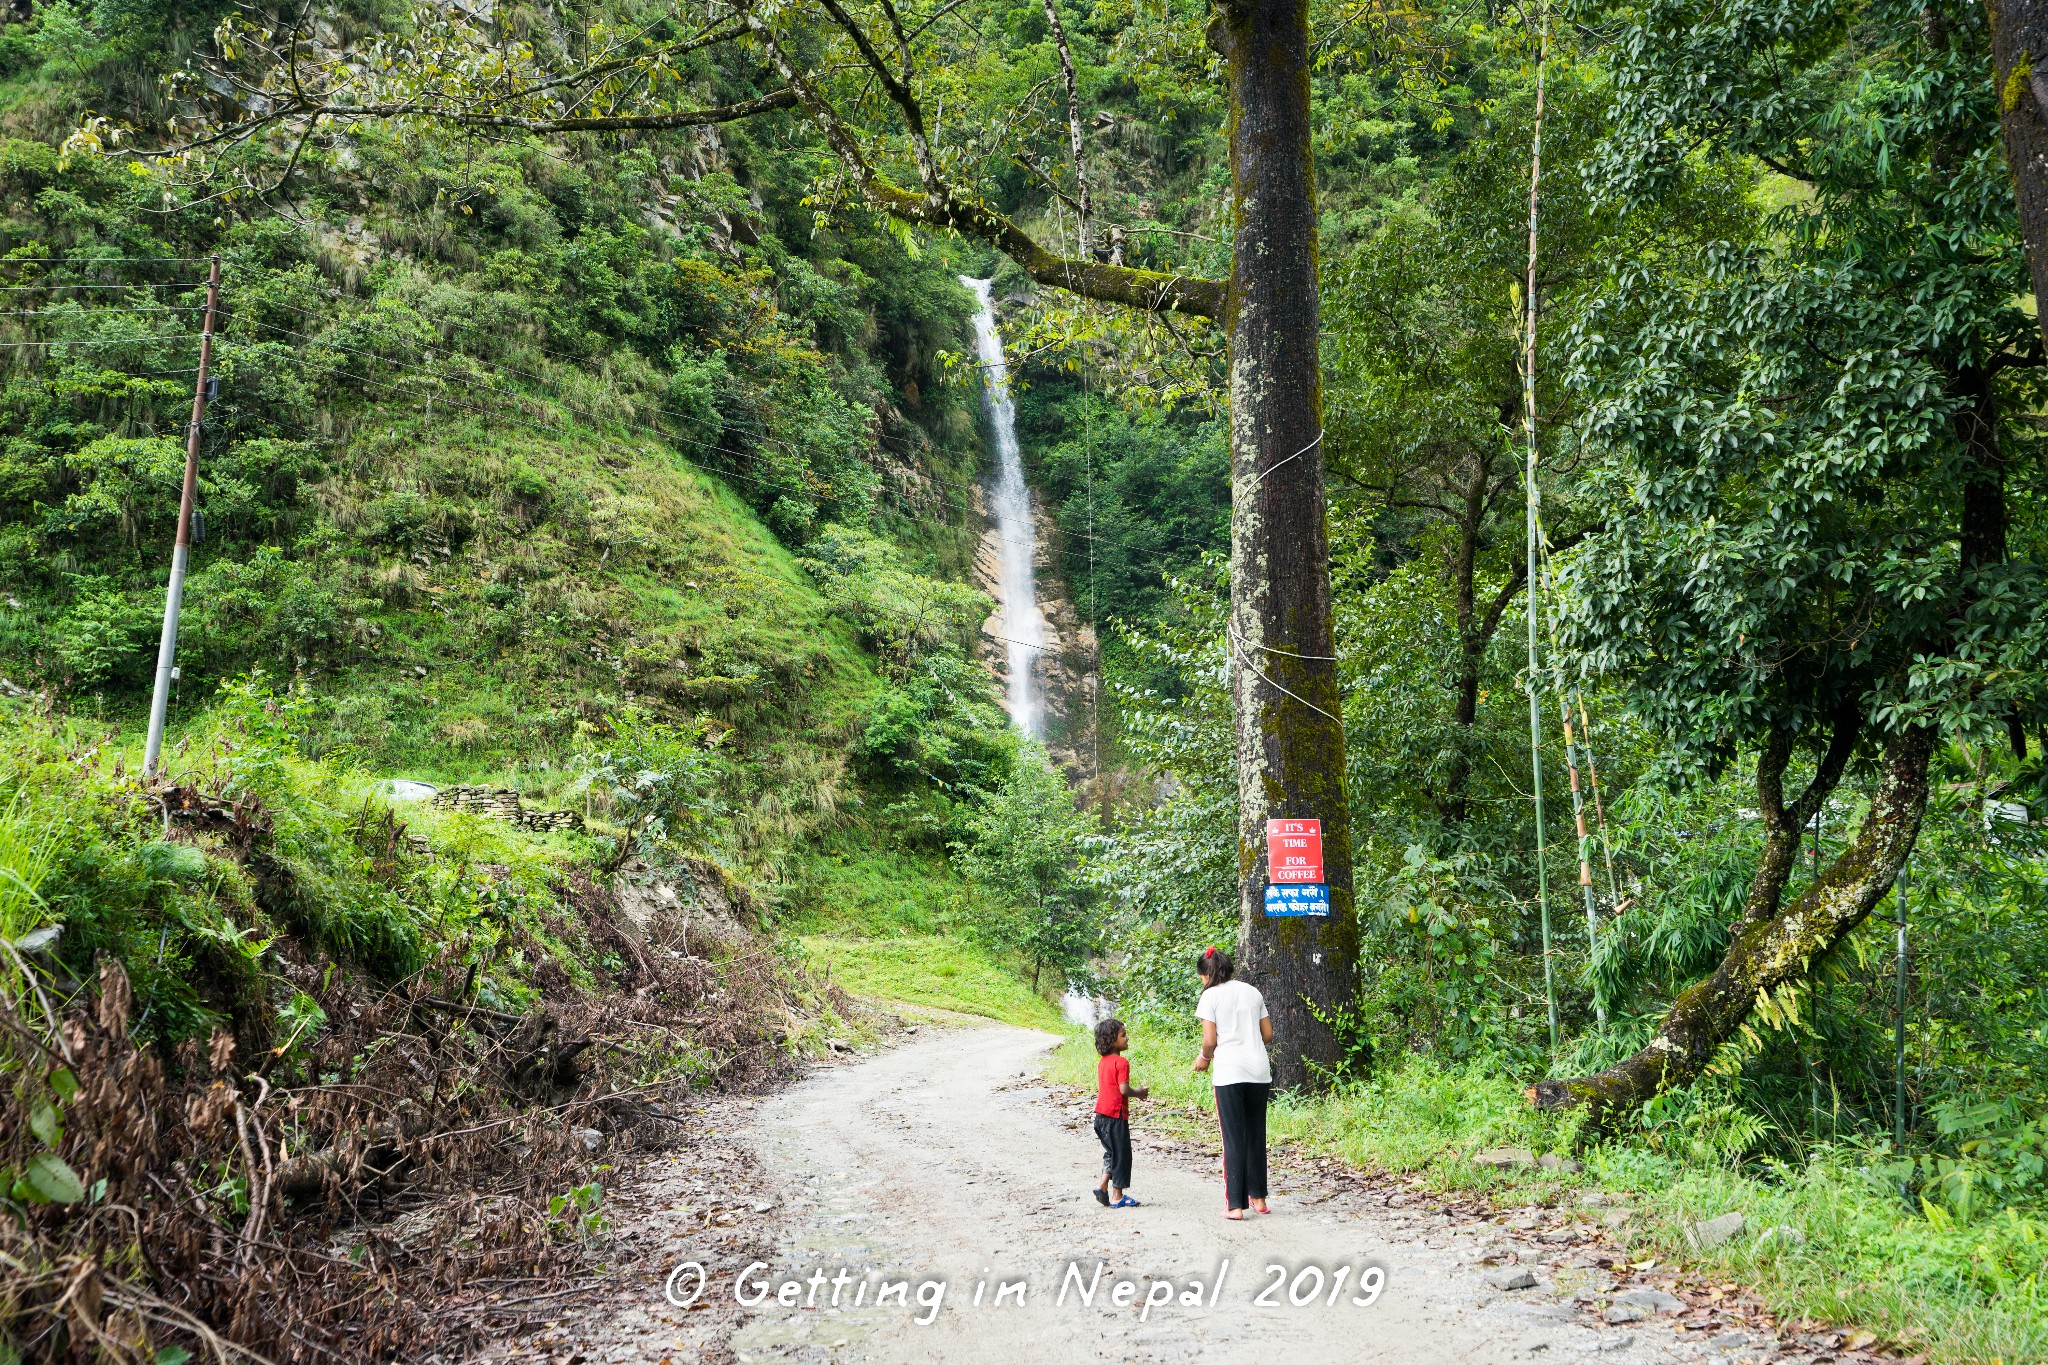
1975 1292
926 969
887 923
856 886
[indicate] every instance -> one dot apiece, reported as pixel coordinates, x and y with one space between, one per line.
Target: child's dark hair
1105 1035
1215 964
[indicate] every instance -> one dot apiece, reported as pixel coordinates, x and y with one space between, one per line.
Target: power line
73 313
48 285
106 260
98 341
539 426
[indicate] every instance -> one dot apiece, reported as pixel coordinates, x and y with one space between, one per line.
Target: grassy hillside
491 461
592 468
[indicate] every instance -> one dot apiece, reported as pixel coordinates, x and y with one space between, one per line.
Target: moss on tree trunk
1771 947
1290 739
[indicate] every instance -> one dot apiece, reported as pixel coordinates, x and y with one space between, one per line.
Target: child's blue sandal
1101 1196
1127 1203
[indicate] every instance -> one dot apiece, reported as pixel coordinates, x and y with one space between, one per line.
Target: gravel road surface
945 1165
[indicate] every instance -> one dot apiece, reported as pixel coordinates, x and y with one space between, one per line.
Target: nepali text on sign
1297 899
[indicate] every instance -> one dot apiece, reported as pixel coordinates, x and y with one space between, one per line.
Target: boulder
1504 1158
1551 1161
1508 1278
1650 1300
1715 1231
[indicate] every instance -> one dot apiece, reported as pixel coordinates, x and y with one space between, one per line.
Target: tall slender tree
1290 735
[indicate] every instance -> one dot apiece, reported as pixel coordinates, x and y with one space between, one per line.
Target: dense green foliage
635 468
1764 317
88 852
510 449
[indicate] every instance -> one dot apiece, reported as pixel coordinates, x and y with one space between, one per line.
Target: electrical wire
109 260
48 285
471 383
98 341
560 429
100 312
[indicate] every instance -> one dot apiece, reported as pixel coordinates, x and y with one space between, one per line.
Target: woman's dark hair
1105 1035
1215 964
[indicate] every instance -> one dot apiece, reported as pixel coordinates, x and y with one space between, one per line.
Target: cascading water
1023 625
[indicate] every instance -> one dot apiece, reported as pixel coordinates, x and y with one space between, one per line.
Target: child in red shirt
1113 1094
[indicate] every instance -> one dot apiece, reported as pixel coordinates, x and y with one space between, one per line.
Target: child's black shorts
1115 1136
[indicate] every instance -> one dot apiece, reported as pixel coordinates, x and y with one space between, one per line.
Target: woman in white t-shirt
1235 1031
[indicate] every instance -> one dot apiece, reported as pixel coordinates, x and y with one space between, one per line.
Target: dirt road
947 1166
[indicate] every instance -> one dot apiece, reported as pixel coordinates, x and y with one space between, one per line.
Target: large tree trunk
1290 735
1454 806
2019 60
1982 540
1768 950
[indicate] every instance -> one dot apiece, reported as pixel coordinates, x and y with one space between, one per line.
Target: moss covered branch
1768 951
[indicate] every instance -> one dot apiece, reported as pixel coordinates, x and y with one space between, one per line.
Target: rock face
502 803
1504 1158
1067 668
1649 1301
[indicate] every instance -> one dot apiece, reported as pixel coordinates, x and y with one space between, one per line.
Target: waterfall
1023 625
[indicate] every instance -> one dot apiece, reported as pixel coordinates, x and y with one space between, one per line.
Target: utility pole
1529 477
167 647
1899 1050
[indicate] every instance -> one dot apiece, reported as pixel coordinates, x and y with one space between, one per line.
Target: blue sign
1298 898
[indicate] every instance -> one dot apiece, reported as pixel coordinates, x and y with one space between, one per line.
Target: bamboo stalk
1599 809
1532 504
1572 763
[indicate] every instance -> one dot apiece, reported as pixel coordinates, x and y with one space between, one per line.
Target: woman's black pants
1241 1109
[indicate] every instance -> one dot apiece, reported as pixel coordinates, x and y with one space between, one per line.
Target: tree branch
1084 210
897 88
1152 290
1767 953
1847 729
312 113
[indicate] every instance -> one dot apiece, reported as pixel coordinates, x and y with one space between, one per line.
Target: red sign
1294 850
